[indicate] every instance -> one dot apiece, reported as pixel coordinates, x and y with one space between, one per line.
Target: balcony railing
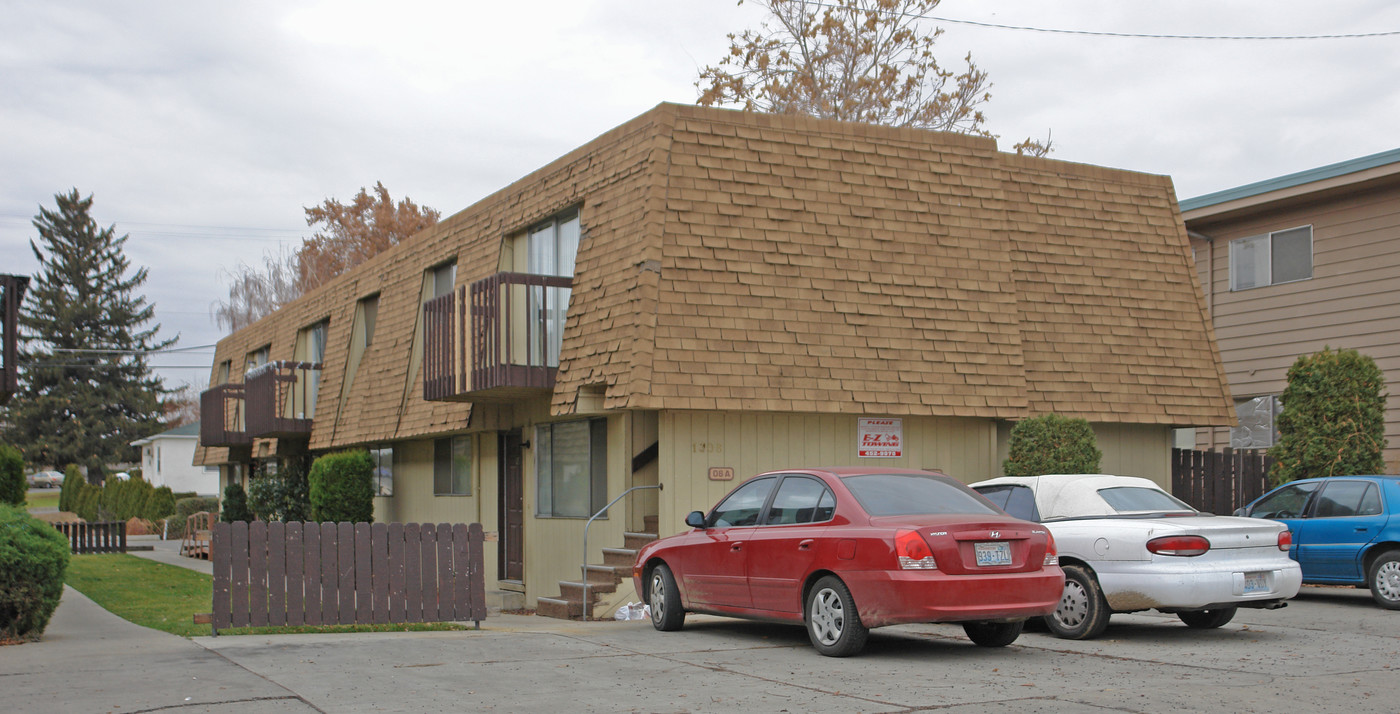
281 398
221 416
498 340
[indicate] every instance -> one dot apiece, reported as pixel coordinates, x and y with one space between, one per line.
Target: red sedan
847 549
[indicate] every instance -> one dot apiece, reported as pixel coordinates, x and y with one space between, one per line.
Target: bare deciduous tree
350 234
854 60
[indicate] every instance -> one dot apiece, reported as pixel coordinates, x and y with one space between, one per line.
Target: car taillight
1285 540
1187 545
913 551
1052 554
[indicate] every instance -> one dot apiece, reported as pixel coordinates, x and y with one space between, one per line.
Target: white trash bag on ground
633 611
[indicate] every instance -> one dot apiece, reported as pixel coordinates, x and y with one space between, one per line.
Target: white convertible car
1127 545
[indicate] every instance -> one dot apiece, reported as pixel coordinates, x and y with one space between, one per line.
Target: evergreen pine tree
86 390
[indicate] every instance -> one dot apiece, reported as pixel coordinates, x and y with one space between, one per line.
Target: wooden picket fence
1220 481
291 574
101 537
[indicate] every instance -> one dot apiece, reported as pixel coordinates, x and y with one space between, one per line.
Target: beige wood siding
1352 300
693 442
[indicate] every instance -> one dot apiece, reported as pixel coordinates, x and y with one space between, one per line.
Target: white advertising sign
880 438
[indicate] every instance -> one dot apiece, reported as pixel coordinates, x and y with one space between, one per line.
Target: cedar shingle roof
739 261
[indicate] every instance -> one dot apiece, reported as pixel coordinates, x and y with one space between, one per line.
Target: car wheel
1384 579
1082 613
832 621
1207 619
993 634
667 614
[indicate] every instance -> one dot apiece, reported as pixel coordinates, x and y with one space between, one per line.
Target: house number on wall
721 473
706 447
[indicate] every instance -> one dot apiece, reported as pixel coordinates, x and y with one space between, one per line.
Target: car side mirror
1241 511
695 519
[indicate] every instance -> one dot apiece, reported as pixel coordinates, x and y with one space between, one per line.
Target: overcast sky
203 128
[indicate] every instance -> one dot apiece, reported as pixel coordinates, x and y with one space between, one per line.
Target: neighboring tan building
1294 264
166 461
699 295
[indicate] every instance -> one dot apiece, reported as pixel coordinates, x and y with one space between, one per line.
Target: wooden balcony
221 416
281 399
495 341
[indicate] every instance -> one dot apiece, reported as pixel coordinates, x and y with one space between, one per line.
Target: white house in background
167 459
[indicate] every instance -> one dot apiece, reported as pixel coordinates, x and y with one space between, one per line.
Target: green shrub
88 503
185 507
12 482
33 559
235 505
342 488
160 504
283 497
1333 420
73 483
1052 444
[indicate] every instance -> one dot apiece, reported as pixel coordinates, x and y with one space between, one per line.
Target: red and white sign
880 438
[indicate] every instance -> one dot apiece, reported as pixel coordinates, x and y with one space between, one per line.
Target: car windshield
913 494
1125 499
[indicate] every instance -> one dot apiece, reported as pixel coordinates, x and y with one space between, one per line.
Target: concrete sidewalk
168 552
93 661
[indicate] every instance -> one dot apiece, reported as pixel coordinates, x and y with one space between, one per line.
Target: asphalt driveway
1331 650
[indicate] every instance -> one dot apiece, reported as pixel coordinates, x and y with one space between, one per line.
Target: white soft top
1072 495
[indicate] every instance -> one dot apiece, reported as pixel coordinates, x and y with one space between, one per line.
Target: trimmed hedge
342 488
33 560
1052 444
235 505
160 504
12 482
73 483
1333 420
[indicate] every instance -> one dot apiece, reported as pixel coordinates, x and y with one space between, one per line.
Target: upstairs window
222 376
553 246
443 278
1272 258
369 314
259 357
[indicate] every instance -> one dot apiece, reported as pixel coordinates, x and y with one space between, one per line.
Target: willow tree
866 61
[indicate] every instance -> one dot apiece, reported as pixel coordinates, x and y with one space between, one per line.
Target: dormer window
553 245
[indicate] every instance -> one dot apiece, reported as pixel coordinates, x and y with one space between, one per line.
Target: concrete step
620 557
636 540
607 574
558 609
650 523
573 590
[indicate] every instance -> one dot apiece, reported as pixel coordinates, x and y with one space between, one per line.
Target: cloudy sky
203 128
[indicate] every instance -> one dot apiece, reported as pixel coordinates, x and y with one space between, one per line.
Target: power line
1135 35
117 366
136 352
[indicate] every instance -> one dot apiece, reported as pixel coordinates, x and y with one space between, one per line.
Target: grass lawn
166 597
48 499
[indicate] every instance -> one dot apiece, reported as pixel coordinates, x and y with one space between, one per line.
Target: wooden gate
290 574
1220 481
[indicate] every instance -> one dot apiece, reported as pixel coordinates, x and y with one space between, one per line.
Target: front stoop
602 580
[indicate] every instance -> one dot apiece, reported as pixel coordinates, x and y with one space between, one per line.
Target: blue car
1346 530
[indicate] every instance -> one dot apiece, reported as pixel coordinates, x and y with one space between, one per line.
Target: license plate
1256 583
993 553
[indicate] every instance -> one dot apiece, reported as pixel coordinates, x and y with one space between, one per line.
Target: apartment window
221 377
1258 422
1270 259
553 248
571 467
452 466
369 313
259 357
383 458
312 349
443 277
